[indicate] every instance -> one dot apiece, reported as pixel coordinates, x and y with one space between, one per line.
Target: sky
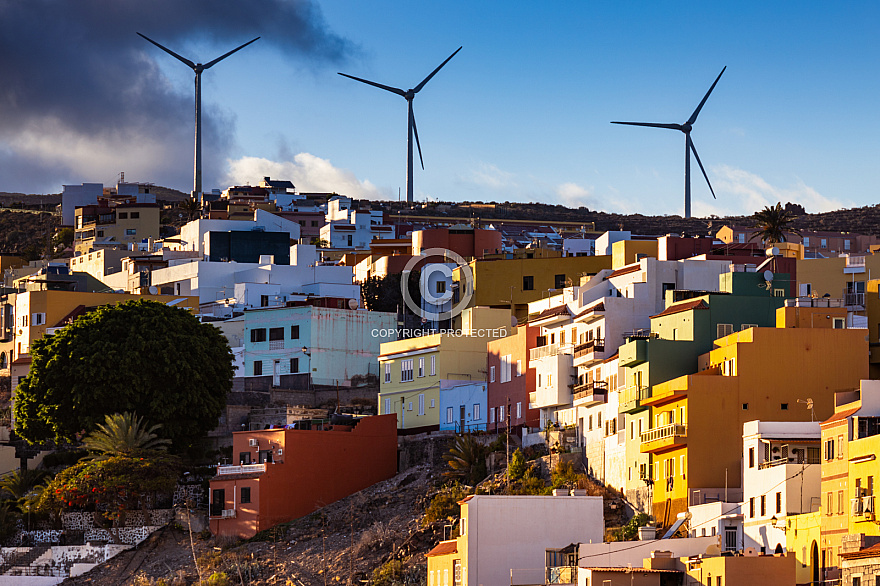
521 114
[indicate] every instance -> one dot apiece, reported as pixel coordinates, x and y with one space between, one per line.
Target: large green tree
772 223
139 356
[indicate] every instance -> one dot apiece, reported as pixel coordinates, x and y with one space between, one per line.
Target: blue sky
522 112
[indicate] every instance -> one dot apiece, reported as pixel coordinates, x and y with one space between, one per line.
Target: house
306 346
514 381
114 224
502 536
415 372
284 474
347 226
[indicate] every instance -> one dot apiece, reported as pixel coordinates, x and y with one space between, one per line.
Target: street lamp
305 350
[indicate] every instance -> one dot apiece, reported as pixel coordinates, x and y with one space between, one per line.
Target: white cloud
307 172
489 176
743 193
574 196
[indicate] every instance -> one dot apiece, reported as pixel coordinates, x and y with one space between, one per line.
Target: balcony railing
245 469
276 344
854 298
861 505
549 350
633 396
562 575
671 430
597 345
589 389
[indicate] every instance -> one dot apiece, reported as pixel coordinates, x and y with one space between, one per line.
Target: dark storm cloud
79 67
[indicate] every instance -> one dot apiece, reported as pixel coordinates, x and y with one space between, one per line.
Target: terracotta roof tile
444 548
840 415
593 309
672 309
625 271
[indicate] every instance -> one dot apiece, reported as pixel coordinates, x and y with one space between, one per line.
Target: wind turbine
688 146
197 68
411 129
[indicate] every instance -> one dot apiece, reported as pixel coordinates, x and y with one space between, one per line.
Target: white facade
194 235
781 476
509 533
721 520
579 246
73 196
619 554
349 228
248 282
607 240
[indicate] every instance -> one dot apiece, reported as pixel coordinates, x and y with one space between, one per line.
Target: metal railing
632 396
548 350
562 575
861 505
854 298
589 389
596 345
243 469
276 344
665 431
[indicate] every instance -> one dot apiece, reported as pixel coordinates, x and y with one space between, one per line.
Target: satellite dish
750 552
713 550
153 289
513 321
768 276
352 303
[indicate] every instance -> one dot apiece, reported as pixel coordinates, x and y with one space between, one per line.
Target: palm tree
772 223
20 483
124 434
192 207
467 460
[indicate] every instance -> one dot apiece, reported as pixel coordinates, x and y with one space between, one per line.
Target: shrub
631 530
444 506
517 468
388 574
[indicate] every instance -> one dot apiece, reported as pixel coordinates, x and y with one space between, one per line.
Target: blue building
463 405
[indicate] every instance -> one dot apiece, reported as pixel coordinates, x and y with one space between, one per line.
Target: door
461 418
276 373
218 501
730 539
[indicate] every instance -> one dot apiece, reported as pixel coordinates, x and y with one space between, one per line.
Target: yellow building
872 311
412 372
740 570
802 538
626 252
114 226
838 277
760 373
514 283
850 444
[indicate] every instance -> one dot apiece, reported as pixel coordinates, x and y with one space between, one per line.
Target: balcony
631 398
862 506
276 344
854 299
533 400
854 264
245 469
634 351
591 393
549 350
589 352
664 437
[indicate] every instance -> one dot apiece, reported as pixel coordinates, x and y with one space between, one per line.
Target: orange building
284 474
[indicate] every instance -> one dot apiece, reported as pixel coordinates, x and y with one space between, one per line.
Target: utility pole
508 444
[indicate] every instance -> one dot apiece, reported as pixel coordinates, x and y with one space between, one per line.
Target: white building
351 228
781 477
194 236
508 534
74 196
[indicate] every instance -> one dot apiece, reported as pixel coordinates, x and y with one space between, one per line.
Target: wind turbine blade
387 88
419 146
169 51
696 113
653 125
700 163
222 57
433 73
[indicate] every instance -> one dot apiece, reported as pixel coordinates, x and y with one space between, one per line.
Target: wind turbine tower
411 129
197 68
688 146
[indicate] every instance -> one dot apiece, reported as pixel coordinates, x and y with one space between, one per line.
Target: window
778 292
432 403
501 414
846 244
763 505
505 368
840 509
741 238
387 372
559 282
245 494
258 367
745 406
314 223
440 287
38 319
824 243
492 374
387 407
294 332
778 502
519 410
519 368
421 367
421 404
433 366
122 215
276 334
829 503
784 406
294 365
723 330
130 231
491 414
751 457
839 323
528 283
135 215
409 406
806 240
349 239
752 507
449 415
840 447
476 414
264 301
406 370
258 335
805 289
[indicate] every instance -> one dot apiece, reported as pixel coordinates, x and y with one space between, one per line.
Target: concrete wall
621 553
